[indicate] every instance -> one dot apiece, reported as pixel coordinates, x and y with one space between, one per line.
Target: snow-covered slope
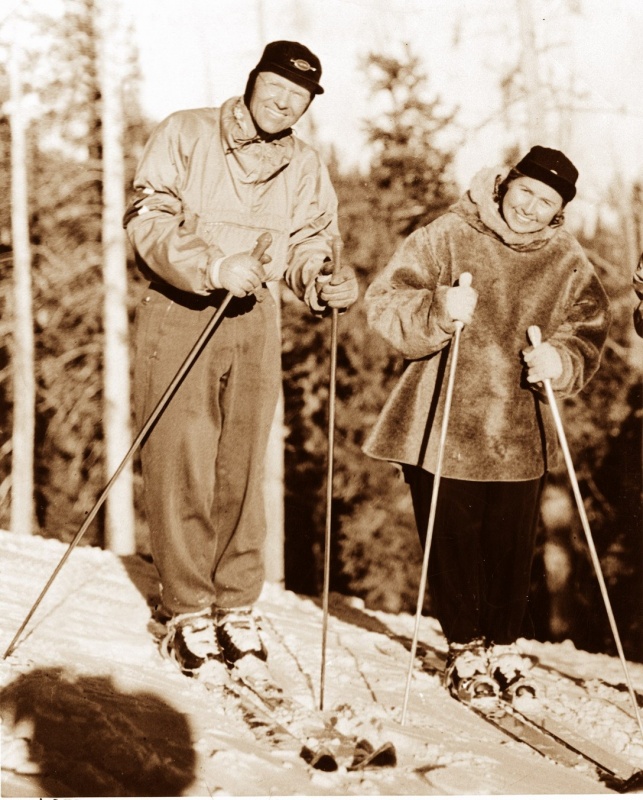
89 708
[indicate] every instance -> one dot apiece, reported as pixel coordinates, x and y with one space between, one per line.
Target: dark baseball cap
294 61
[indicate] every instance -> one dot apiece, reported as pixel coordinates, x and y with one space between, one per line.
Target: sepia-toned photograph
321 398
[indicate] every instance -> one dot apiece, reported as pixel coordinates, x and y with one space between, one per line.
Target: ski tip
633 784
321 759
365 756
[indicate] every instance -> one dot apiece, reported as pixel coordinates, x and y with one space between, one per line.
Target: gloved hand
543 363
340 290
242 273
460 303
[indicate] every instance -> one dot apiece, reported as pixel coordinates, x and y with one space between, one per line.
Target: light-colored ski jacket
499 428
207 185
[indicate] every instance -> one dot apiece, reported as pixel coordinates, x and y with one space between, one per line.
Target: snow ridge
89 707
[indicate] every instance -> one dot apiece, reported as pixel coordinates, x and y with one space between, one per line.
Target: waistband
198 302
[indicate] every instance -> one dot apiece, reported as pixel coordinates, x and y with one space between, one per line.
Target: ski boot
510 669
467 677
191 643
243 649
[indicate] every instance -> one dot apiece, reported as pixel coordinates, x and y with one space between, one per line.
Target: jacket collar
259 157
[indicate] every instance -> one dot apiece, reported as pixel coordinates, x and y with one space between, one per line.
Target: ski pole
263 242
465 280
337 250
536 338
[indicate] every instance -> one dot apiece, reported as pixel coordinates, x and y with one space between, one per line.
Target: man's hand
460 303
543 363
242 273
340 290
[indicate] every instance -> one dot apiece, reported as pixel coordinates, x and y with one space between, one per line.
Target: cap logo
304 66
555 171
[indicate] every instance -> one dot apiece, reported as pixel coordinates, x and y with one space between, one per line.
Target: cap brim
293 75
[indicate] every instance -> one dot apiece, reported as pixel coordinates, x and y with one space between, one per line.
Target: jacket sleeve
161 229
314 226
581 337
406 303
638 288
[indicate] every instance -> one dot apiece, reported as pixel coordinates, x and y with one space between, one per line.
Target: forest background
405 178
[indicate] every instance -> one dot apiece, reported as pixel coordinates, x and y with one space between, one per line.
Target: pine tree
375 553
65 208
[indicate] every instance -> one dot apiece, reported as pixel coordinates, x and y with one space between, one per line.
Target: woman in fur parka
526 270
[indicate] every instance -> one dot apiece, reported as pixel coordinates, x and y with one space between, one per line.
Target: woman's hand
461 303
543 363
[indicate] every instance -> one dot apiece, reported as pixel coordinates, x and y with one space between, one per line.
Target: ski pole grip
333 267
464 280
337 246
263 243
534 334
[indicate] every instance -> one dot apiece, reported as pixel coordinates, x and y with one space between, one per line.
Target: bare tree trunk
24 388
626 202
536 111
628 221
120 519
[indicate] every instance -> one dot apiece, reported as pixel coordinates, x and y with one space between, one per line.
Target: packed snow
90 708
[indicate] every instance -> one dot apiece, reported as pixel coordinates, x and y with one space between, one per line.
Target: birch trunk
120 519
24 388
536 109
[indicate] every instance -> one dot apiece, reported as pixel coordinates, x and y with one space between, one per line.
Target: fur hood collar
479 209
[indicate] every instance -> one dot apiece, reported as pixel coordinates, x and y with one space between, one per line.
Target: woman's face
530 205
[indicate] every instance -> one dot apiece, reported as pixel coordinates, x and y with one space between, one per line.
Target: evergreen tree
65 206
376 554
603 428
410 172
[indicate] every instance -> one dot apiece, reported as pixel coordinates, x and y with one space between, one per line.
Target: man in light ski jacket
209 183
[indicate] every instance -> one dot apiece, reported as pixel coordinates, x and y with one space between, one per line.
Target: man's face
530 205
277 103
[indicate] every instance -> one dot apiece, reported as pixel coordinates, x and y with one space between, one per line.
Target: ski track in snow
89 708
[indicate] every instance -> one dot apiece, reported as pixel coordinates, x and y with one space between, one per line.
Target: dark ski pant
203 461
481 553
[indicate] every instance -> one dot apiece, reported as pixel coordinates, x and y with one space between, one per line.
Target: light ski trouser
203 461
481 553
